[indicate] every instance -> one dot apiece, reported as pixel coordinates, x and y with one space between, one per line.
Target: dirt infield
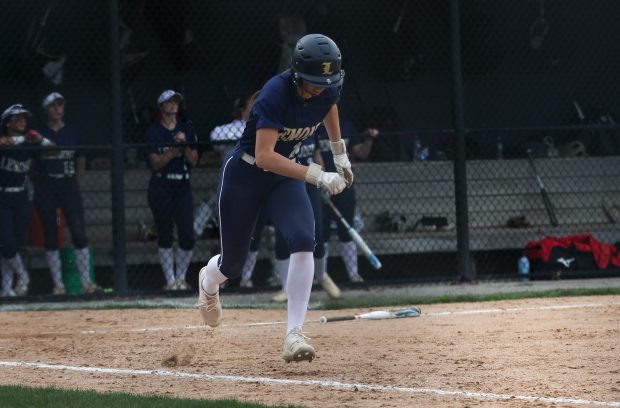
537 352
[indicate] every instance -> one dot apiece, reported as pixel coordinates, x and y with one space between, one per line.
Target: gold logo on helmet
327 68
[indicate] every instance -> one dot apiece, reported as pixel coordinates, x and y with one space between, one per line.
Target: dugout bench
497 191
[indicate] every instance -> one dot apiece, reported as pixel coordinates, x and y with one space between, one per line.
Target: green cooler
70 272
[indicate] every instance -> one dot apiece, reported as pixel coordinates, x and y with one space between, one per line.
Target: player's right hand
32 136
334 183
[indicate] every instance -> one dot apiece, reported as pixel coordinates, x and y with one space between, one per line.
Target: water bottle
500 148
423 154
417 148
524 269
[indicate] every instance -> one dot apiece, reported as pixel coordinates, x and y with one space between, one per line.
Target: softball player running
260 174
169 193
14 206
56 186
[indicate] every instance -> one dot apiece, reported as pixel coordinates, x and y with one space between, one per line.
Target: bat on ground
377 315
543 192
374 261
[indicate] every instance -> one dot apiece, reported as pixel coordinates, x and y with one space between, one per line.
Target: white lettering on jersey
296 134
306 151
14 166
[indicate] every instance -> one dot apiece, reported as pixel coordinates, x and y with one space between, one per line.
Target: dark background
237 44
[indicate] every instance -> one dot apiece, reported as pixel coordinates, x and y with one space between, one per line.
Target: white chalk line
320 383
432 314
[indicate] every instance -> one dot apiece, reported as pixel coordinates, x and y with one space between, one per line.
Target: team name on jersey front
296 134
14 165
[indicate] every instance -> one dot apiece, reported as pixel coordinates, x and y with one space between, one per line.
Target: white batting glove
341 160
333 183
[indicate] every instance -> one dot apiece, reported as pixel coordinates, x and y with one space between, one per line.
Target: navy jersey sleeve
269 108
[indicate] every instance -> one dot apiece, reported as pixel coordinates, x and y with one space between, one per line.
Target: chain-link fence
536 75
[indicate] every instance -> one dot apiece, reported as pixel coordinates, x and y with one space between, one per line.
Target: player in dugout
56 186
169 193
14 205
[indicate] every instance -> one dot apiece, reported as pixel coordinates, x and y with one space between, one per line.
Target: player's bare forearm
191 156
268 159
81 166
276 163
332 124
160 160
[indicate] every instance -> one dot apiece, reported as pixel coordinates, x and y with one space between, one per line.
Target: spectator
14 206
169 193
56 186
361 151
388 148
232 131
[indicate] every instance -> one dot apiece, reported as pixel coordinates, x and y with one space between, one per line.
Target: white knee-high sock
18 267
281 267
82 259
298 287
166 260
348 251
19 271
7 276
248 266
53 261
320 268
183 258
213 277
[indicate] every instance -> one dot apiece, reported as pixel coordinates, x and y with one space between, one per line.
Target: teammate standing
345 202
56 186
14 206
260 174
170 193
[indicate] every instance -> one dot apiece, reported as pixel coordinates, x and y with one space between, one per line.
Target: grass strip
29 397
336 304
344 303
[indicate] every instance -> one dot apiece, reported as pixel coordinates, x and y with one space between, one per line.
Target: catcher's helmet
316 60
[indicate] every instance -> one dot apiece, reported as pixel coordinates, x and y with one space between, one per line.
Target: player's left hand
32 136
180 137
341 161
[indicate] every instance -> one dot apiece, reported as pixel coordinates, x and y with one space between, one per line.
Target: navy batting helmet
316 60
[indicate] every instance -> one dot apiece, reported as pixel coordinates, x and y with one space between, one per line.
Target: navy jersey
348 133
279 107
14 167
307 149
60 163
157 133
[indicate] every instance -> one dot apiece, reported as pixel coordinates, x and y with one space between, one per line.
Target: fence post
117 179
460 169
